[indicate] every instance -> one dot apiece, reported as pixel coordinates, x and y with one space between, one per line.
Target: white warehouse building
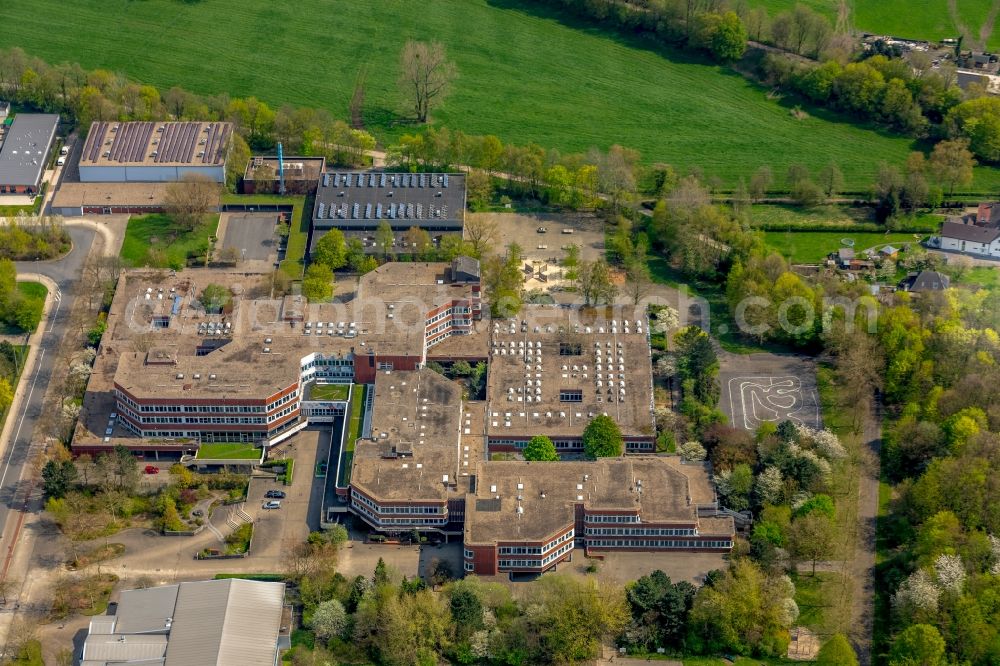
154 152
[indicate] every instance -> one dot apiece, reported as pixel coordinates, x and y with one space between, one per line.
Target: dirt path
986 29
956 20
862 570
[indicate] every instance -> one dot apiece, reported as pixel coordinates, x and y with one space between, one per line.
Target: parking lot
251 234
277 531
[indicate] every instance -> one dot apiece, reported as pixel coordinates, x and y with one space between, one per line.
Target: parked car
275 494
152 469
541 230
273 504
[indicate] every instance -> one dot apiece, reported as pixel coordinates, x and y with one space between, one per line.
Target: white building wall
971 247
102 174
148 174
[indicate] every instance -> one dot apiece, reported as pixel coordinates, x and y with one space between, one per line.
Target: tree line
937 357
387 618
912 96
84 96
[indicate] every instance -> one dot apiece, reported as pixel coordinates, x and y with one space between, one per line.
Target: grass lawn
353 431
266 577
329 391
33 291
812 247
238 542
228 451
156 240
526 72
22 351
923 19
777 217
986 277
814 596
298 233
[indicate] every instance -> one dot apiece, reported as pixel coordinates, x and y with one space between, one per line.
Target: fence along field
524 75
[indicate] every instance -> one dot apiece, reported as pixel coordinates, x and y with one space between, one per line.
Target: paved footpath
20 501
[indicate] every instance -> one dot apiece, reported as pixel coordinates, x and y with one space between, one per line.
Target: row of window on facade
645 543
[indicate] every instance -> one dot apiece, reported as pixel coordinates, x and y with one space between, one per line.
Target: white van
61 161
64 150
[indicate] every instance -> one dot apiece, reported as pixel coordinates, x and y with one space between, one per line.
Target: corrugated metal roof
226 622
119 648
103 624
25 148
146 611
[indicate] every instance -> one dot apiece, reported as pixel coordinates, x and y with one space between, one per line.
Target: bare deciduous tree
481 232
425 75
191 198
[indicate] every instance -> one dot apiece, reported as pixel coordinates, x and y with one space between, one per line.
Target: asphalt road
65 273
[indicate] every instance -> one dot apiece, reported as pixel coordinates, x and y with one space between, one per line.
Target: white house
969 238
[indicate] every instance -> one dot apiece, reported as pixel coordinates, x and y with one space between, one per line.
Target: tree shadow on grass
647 41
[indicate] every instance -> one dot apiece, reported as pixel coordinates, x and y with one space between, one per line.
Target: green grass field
910 19
228 451
353 431
812 247
778 217
329 391
526 74
155 240
985 277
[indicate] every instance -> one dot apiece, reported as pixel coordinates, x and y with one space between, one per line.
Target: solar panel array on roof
369 197
156 143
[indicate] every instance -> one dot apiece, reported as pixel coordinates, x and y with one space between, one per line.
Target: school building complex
172 378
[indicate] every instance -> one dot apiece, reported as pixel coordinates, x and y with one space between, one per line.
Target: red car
152 469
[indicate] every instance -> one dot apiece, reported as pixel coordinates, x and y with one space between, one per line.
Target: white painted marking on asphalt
55 312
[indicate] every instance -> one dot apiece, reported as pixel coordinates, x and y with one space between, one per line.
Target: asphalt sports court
253 235
770 388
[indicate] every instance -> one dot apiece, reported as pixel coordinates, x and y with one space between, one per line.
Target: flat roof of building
532 501
112 143
78 195
26 147
403 200
416 451
553 369
296 168
157 310
236 370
